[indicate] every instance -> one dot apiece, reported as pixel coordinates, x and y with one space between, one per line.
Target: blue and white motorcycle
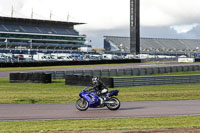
89 99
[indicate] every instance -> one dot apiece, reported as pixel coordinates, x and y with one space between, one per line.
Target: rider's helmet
95 80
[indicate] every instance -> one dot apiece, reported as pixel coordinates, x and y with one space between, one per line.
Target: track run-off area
67 111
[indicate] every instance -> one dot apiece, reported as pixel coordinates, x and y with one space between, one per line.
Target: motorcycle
89 99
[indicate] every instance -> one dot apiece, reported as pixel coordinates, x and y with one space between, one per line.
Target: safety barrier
117 82
83 77
125 72
86 81
30 78
155 80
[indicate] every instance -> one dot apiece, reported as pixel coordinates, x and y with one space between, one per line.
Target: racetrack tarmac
67 111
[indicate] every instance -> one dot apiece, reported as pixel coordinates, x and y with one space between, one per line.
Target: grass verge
102 124
58 92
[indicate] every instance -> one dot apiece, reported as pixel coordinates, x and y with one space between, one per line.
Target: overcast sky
111 17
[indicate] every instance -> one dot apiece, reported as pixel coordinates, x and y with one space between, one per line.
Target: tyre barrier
155 80
117 82
125 72
30 78
197 60
78 80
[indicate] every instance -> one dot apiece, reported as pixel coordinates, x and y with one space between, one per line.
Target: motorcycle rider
99 86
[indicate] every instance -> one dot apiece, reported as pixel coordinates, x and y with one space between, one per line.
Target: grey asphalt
67 111
120 66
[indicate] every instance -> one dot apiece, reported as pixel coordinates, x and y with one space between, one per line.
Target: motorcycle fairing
91 98
112 93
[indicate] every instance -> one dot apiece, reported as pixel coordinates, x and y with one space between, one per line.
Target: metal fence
125 72
155 80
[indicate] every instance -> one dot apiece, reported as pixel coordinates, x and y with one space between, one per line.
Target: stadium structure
34 34
159 46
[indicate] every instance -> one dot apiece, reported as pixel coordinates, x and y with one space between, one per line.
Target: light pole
135 27
121 47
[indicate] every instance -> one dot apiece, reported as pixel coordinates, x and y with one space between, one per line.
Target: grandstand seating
39 45
66 31
13 28
30 29
37 29
2 28
39 34
154 44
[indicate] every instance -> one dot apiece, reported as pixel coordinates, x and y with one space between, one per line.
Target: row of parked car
8 57
59 57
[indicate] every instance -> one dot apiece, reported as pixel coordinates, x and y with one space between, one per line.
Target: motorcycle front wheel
114 105
82 104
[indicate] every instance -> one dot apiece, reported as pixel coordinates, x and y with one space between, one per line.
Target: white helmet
95 80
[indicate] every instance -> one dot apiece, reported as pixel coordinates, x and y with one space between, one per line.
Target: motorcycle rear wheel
115 105
82 104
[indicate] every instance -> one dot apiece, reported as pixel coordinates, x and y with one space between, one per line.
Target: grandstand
39 34
153 45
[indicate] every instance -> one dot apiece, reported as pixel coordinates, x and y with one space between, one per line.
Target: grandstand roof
37 21
155 43
21 25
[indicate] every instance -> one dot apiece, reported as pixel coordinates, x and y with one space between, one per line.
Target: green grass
58 92
101 124
157 93
55 92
